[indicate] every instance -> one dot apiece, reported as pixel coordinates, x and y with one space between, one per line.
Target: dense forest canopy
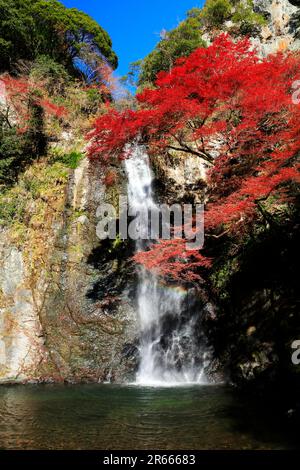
46 27
56 68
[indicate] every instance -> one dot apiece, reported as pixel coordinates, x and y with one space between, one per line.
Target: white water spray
169 351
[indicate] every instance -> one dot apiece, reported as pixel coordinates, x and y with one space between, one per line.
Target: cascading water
170 334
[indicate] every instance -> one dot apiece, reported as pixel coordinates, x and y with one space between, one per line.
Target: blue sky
134 25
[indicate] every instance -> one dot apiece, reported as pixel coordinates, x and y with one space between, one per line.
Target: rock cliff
66 309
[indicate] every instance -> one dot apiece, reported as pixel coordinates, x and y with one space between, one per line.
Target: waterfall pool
132 417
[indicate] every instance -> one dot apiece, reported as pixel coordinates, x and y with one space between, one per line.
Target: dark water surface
129 417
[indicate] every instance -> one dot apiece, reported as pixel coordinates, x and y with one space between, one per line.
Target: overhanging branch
199 154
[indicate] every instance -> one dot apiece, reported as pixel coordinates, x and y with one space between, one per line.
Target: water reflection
116 417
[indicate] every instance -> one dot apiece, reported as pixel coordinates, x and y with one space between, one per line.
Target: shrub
53 75
247 18
14 155
215 12
70 160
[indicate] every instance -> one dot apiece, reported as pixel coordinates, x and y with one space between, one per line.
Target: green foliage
223 274
14 154
11 208
53 75
117 243
179 42
52 48
187 37
47 28
16 26
70 160
26 202
215 12
246 17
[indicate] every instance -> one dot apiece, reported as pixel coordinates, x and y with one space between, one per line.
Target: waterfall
169 326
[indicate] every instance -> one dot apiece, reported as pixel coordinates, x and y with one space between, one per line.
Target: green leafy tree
16 33
179 42
46 27
245 16
53 75
215 12
240 12
14 153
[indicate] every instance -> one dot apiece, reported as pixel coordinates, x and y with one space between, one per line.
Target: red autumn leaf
234 111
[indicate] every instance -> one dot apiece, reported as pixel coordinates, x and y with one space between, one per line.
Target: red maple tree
234 111
21 93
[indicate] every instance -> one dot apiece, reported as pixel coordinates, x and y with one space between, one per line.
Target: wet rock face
66 304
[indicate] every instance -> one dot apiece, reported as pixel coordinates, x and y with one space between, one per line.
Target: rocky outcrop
67 312
21 339
281 31
179 178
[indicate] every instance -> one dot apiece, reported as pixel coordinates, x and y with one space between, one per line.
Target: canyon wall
67 309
